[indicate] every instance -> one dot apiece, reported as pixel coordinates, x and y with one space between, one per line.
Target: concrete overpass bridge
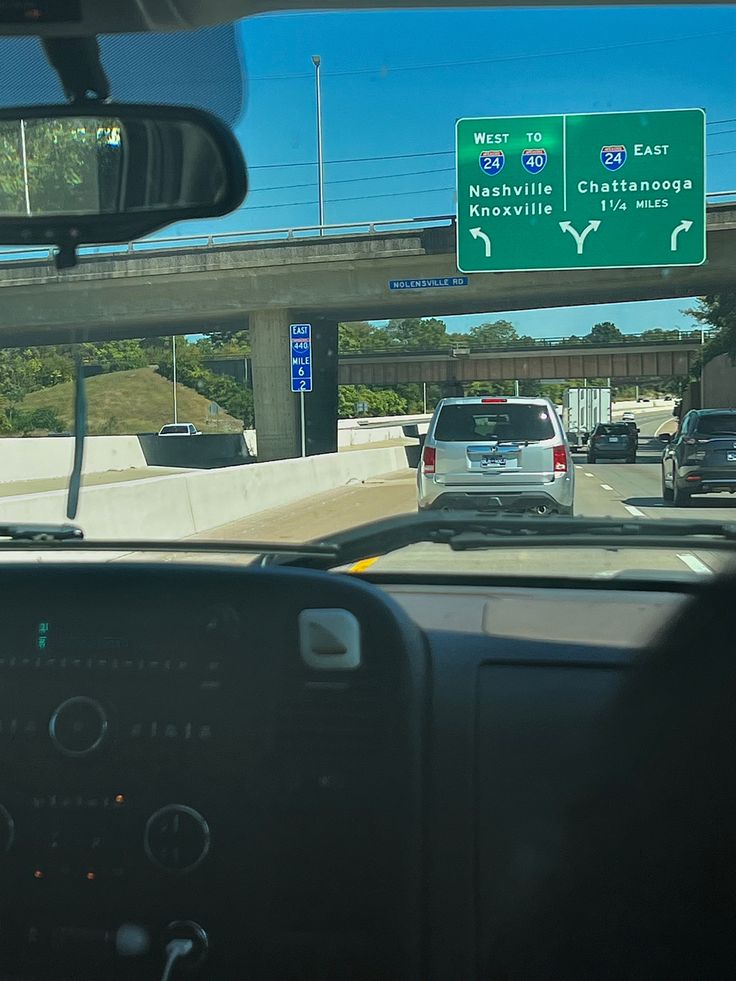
630 359
269 279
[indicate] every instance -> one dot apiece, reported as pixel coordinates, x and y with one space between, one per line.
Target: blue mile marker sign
300 340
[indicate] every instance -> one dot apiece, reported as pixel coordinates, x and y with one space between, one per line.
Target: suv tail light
429 457
487 401
559 459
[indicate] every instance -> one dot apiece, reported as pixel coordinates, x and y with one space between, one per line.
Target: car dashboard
307 775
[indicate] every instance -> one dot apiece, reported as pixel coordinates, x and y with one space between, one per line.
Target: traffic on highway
613 488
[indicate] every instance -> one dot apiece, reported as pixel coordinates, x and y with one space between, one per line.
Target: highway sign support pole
303 424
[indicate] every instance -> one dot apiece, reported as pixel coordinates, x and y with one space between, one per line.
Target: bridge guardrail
686 338
225 239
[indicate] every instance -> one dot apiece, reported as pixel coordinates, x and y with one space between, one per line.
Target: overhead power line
353 180
563 52
407 156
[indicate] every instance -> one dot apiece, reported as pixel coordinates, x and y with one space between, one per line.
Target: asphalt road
608 488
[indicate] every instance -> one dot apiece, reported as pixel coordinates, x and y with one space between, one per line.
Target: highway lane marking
635 511
606 487
661 426
694 563
363 564
590 475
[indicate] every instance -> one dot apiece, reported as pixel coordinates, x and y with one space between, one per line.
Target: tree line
28 369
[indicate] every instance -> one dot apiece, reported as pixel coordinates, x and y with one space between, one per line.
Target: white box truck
582 410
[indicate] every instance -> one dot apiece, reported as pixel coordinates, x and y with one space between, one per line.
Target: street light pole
173 358
702 367
317 62
24 156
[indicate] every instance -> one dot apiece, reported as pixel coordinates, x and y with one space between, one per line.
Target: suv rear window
465 423
620 429
175 430
710 425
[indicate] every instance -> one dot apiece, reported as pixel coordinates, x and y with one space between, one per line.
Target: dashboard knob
222 623
78 726
7 830
177 838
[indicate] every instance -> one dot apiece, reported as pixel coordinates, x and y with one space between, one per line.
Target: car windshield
473 240
502 422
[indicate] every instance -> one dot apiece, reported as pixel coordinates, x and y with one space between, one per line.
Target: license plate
613 439
731 457
486 462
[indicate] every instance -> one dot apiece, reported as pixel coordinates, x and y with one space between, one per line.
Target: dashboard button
78 726
177 838
7 830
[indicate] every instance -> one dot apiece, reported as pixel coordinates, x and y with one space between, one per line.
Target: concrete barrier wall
377 420
51 456
180 505
354 434
359 437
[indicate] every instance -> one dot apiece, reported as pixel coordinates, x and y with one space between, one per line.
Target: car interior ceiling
308 776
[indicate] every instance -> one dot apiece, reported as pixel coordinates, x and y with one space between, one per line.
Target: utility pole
702 367
173 358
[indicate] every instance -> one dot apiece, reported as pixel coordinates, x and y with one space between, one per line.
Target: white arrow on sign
684 226
580 237
479 233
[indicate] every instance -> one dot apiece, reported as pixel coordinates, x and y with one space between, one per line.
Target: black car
613 441
701 457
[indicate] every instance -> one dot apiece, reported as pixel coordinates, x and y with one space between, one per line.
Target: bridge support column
321 403
276 407
278 423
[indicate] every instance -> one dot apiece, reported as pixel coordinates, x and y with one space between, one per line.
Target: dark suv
613 441
701 457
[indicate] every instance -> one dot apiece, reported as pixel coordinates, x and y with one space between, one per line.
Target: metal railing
256 236
224 239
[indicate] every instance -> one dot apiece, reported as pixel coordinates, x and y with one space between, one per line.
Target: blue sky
394 82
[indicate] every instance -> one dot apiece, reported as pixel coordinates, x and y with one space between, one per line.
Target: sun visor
197 68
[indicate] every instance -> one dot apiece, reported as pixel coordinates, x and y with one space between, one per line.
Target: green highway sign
594 191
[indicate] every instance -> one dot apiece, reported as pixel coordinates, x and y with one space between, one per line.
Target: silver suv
494 453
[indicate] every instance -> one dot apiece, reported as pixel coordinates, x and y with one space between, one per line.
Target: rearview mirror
101 172
665 437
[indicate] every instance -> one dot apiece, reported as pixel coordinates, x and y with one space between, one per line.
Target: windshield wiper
41 533
473 530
